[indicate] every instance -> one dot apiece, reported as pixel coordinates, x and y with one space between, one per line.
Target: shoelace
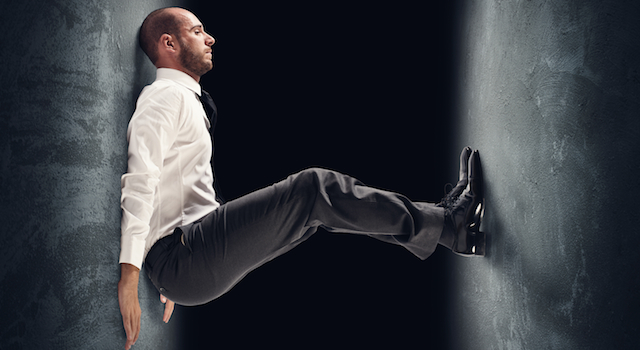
449 198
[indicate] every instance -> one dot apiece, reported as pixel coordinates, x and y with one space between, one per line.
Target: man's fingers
132 328
129 331
128 344
136 325
131 323
168 308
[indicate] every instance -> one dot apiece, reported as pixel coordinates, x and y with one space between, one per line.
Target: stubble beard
194 62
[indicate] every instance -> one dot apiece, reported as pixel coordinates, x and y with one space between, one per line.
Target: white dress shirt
169 181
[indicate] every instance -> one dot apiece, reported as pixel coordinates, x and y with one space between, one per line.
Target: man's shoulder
163 91
163 86
170 83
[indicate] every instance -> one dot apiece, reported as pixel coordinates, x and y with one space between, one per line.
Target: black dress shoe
450 198
465 214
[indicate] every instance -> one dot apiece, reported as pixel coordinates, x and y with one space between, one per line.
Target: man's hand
168 308
129 303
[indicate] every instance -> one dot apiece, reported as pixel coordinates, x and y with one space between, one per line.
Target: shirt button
162 290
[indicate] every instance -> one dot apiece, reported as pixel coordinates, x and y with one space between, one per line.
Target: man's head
174 38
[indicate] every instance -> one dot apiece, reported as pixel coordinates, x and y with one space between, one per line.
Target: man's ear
167 42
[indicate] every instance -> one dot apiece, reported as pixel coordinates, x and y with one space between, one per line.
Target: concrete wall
71 71
548 91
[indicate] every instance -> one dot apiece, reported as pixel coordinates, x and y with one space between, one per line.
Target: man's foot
452 196
463 217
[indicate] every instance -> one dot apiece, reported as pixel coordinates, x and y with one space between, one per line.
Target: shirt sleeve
151 133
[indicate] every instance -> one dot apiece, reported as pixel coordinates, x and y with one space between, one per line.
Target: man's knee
320 179
310 177
315 179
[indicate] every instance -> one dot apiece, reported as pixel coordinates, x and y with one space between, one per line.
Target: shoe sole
480 238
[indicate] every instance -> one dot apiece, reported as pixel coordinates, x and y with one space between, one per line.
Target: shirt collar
179 77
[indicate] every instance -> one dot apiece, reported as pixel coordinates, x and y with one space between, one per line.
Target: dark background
357 87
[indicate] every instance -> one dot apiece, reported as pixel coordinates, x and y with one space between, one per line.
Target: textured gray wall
549 94
71 71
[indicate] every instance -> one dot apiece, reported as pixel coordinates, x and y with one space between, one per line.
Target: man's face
196 54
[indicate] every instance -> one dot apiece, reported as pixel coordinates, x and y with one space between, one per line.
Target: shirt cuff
132 251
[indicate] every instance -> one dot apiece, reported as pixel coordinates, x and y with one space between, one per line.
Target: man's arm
129 302
151 132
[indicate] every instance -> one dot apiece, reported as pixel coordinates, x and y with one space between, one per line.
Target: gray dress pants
243 234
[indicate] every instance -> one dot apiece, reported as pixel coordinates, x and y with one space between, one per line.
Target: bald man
196 248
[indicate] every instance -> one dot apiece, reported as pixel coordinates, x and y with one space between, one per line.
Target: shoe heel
478 215
480 237
480 244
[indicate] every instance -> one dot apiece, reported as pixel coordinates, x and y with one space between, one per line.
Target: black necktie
212 114
210 108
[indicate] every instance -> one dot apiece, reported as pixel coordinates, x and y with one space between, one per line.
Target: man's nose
210 40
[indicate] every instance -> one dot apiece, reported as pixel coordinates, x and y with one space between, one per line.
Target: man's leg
247 232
